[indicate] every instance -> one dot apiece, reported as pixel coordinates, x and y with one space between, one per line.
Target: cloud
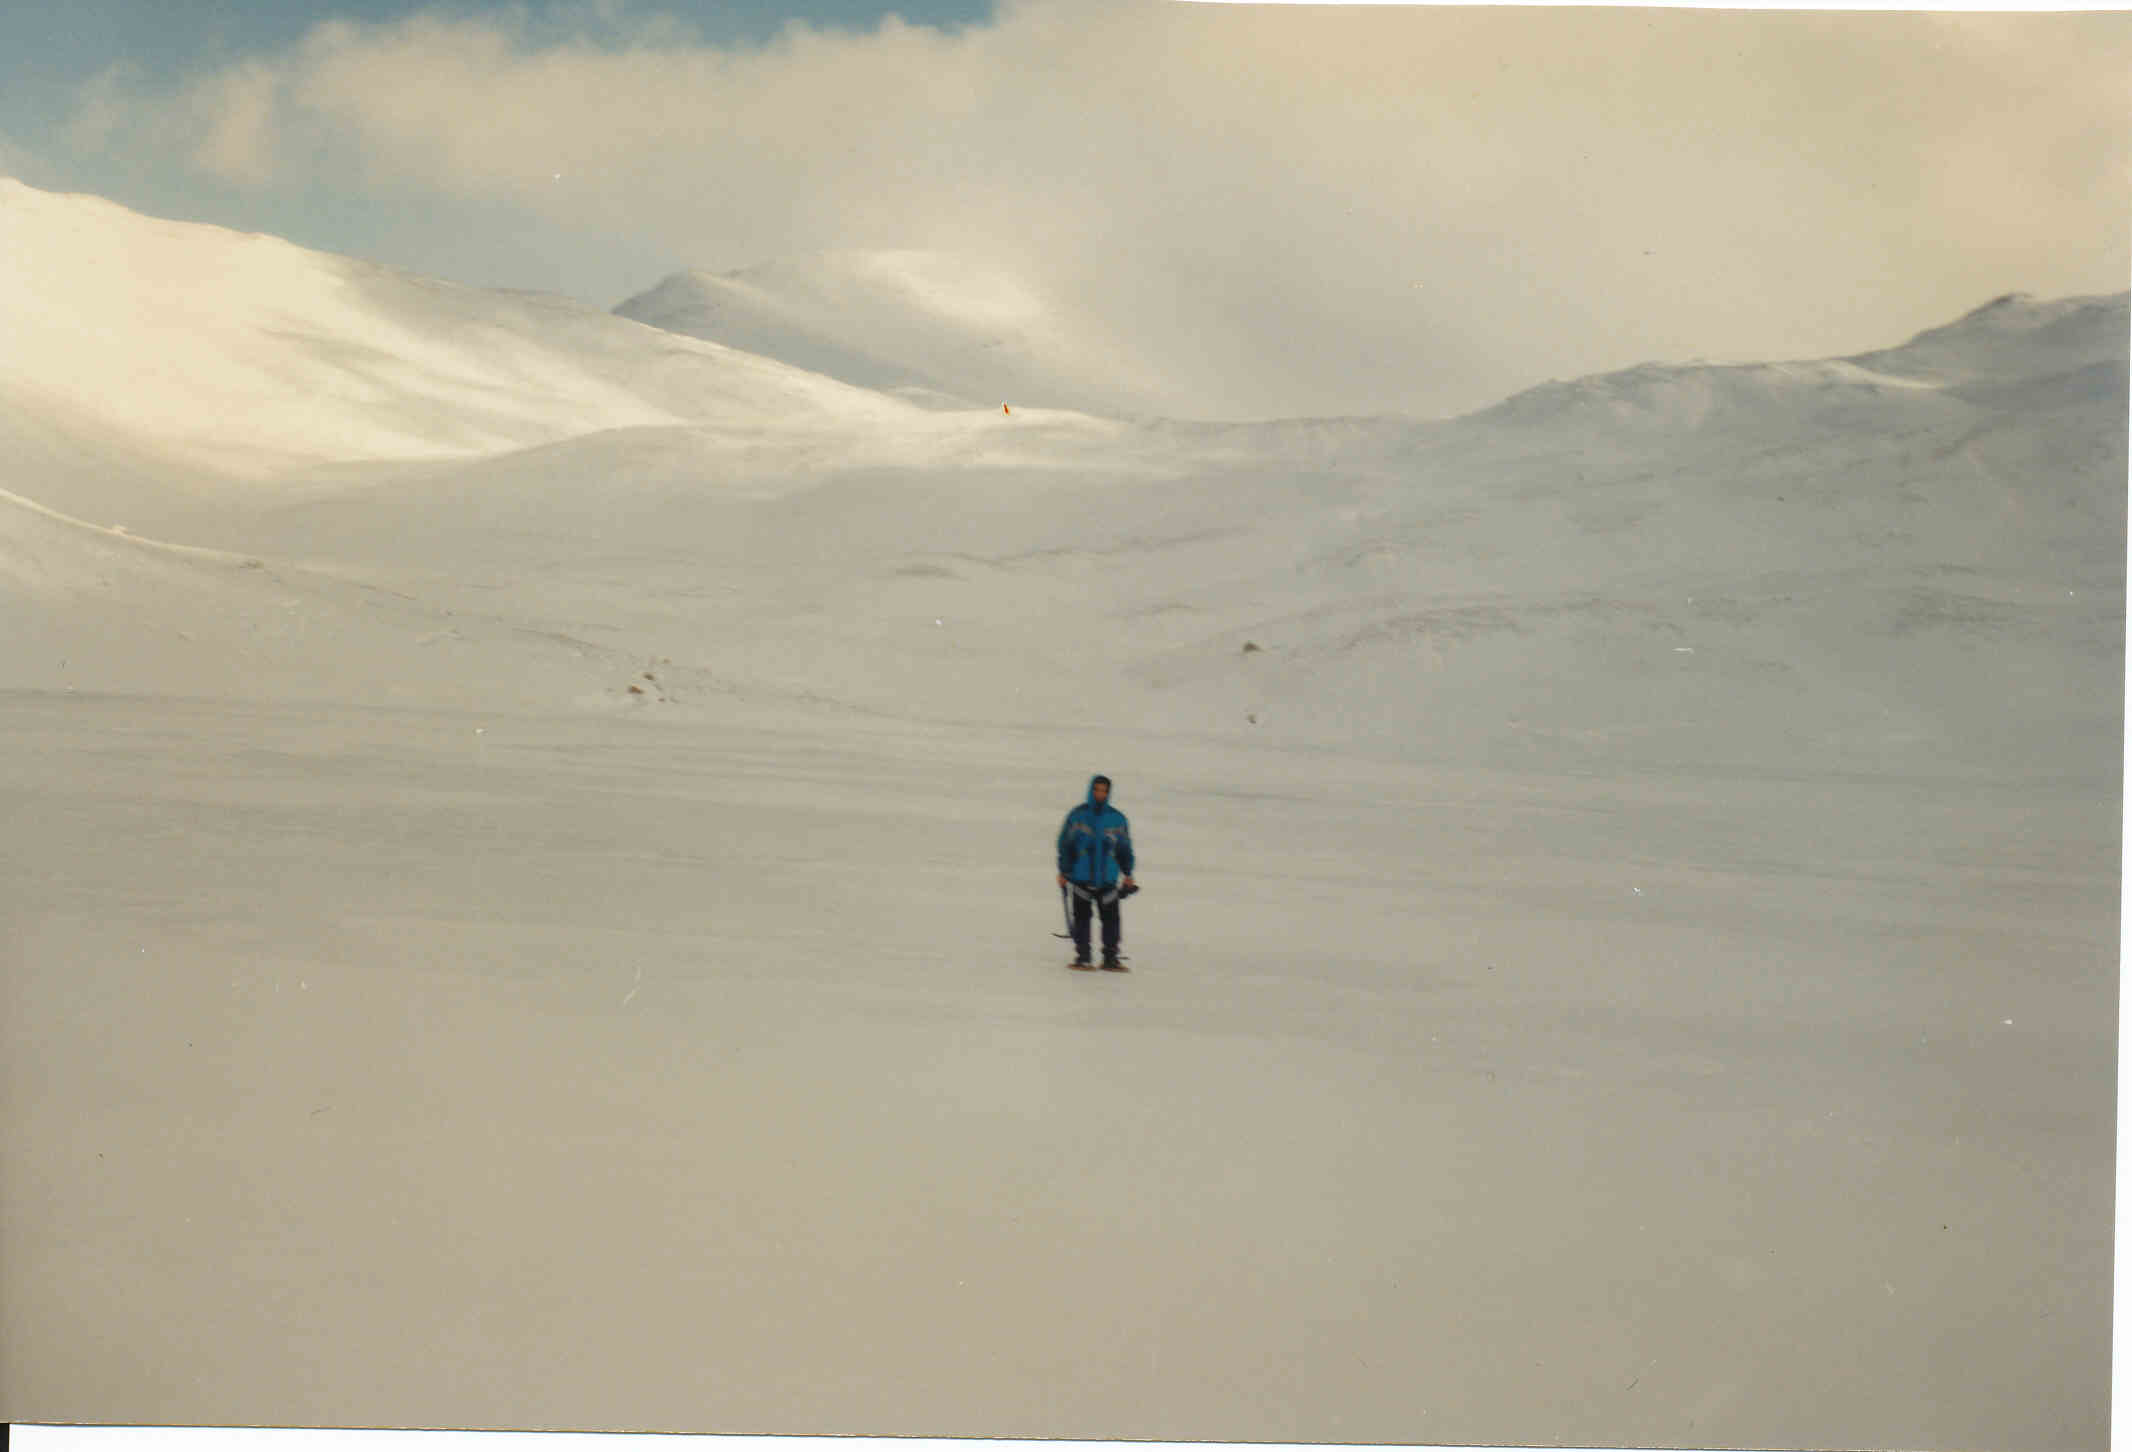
236 109
1289 208
112 112
223 125
18 161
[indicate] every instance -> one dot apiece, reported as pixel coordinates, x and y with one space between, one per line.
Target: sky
1286 210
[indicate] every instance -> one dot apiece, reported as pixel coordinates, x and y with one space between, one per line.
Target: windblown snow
934 327
528 892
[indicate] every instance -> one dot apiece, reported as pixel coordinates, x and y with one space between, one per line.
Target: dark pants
1086 902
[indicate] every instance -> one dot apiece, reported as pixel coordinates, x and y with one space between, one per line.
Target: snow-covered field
526 870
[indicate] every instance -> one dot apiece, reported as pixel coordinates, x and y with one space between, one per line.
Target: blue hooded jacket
1095 843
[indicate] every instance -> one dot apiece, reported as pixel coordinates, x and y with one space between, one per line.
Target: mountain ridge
916 321
254 356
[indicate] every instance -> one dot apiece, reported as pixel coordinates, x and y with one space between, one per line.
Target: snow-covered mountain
2012 336
249 355
934 327
2014 341
1667 555
1912 552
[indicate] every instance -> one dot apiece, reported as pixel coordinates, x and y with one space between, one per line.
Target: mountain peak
2012 336
910 319
2000 304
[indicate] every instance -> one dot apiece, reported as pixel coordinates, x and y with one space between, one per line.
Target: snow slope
250 355
1788 562
1793 578
94 608
1662 563
2007 341
2012 335
933 326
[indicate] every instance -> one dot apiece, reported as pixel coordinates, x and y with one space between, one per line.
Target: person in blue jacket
1096 866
